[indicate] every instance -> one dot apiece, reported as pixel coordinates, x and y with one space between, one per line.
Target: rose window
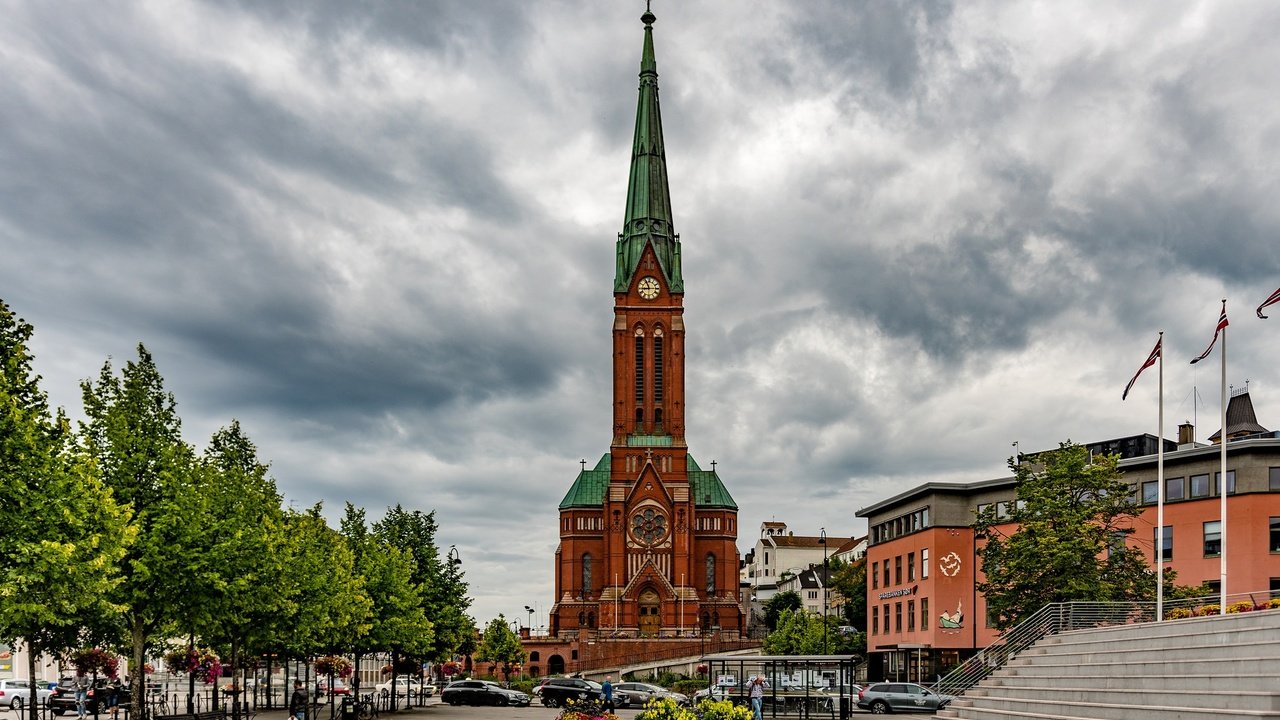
648 526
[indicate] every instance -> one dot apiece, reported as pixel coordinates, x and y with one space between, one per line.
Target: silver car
641 693
883 698
17 693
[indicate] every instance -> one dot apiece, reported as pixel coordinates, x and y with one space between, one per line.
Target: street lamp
454 559
530 611
822 538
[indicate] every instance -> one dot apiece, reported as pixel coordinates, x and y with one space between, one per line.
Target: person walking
607 690
298 702
82 694
758 684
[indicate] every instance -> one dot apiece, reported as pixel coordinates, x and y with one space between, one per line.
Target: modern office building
924 612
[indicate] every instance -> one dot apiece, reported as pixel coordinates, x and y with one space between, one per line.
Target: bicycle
364 708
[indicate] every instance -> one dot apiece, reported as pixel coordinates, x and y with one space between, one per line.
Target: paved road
435 710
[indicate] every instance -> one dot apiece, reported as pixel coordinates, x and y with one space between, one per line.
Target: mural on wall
6 661
951 623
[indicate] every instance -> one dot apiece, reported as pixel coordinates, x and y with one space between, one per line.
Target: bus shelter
797 686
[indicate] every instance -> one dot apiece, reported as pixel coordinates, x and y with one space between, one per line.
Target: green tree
64 534
850 580
398 621
444 589
133 433
776 605
327 604
234 597
1070 520
500 646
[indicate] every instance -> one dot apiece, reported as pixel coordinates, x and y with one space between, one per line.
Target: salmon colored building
648 536
924 613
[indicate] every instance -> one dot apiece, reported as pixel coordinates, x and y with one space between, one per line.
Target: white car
17 693
406 687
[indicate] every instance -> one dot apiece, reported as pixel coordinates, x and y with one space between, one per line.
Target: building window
875 575
875 620
897 617
1151 491
1274 479
1115 543
586 574
711 574
1275 534
911 615
1173 488
1231 482
1213 538
639 367
982 507
1275 588
1002 510
1215 586
897 570
884 612
657 366
886 579
924 613
911 567
1168 541
924 564
1199 486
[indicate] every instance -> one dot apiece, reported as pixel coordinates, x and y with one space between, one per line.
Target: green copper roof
706 488
588 489
648 215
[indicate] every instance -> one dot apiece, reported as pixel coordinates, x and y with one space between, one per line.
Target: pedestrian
607 690
82 694
298 702
758 684
113 698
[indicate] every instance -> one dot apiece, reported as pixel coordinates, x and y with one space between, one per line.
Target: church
648 537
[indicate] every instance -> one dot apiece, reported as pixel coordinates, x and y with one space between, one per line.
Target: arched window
711 574
706 621
591 619
639 366
657 366
533 656
582 619
586 574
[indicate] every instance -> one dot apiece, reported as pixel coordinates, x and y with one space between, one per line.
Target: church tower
648 539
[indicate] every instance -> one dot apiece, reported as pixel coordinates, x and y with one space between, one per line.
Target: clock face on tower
648 288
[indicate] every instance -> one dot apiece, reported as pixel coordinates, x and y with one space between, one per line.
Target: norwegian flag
1275 298
1151 360
1222 323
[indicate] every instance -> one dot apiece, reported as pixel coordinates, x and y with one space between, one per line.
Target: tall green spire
648 214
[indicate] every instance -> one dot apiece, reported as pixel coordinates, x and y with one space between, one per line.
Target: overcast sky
381 235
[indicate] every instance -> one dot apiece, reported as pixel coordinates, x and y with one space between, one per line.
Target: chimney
1186 434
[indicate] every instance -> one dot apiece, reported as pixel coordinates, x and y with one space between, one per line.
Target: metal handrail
1058 618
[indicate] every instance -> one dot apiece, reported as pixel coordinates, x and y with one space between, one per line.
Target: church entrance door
650 607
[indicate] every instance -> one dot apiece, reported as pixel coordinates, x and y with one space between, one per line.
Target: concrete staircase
1209 668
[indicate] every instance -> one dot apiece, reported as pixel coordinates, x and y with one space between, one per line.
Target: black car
97 697
557 691
482 692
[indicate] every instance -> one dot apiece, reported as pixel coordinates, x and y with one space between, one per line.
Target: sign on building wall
6 661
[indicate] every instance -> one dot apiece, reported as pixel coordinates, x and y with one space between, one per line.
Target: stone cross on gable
648 455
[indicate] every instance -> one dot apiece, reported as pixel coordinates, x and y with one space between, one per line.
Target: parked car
641 693
883 698
410 687
557 691
339 687
17 693
482 692
715 692
62 699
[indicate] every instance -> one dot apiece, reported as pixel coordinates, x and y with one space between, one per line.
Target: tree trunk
138 692
235 679
33 711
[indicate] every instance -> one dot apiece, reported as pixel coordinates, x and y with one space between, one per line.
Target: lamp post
529 610
822 538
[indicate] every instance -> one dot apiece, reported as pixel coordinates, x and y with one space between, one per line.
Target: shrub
688 687
665 709
1177 614
1208 610
585 710
1273 603
1239 607
722 710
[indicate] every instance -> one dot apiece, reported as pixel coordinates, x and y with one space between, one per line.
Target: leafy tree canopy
500 646
1064 538
774 606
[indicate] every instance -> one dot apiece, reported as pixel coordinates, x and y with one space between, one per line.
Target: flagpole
1160 494
1222 489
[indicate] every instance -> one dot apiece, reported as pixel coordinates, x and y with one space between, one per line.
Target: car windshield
594 685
